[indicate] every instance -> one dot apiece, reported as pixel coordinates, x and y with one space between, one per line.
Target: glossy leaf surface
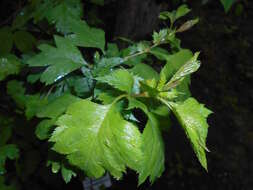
61 60
96 138
192 116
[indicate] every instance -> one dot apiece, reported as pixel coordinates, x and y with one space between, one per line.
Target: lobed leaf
120 79
192 116
61 60
96 138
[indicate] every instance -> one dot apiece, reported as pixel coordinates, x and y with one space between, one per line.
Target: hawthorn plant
87 100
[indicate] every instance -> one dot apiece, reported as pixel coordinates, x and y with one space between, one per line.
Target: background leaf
227 4
61 60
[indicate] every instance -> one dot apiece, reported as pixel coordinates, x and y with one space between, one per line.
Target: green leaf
16 86
227 4
120 79
5 132
152 146
33 104
160 53
61 60
175 14
3 186
56 167
182 11
95 138
85 36
144 71
6 40
81 85
24 41
32 78
174 62
105 66
106 96
9 65
9 151
160 36
67 174
192 116
64 13
189 67
112 50
44 129
57 107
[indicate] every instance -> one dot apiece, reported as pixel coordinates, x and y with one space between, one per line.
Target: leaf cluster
86 104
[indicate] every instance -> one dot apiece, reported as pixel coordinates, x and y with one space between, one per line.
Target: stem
165 102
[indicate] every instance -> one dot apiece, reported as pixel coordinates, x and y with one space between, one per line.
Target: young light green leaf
189 67
120 79
227 4
192 116
9 65
9 151
95 138
174 62
24 41
61 60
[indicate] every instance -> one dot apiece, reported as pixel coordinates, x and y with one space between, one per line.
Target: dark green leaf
24 41
9 65
85 36
9 151
64 13
16 86
227 4
61 60
6 40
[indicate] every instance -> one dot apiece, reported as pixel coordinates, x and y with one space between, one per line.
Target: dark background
223 83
